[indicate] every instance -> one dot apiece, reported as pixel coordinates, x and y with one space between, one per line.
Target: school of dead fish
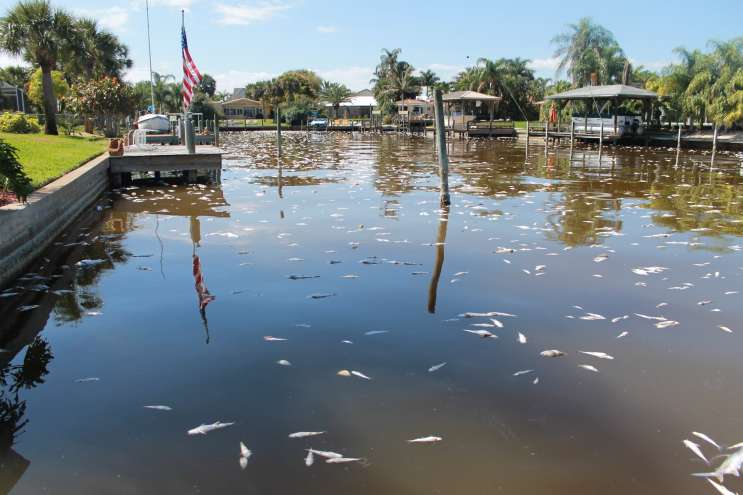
483 324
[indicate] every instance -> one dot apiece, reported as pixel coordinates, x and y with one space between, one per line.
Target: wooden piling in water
445 199
572 132
714 145
527 133
278 131
601 135
678 146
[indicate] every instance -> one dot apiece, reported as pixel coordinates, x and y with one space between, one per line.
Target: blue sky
239 41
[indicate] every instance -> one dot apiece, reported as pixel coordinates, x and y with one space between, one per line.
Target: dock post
714 145
546 132
216 131
278 131
527 133
445 199
678 147
189 138
601 135
572 132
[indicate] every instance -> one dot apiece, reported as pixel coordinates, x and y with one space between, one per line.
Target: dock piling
441 144
714 146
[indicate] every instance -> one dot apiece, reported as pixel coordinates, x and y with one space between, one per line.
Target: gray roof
611 91
469 96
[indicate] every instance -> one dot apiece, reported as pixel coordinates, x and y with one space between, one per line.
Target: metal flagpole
149 52
188 136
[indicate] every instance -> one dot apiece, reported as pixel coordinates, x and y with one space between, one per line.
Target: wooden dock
206 162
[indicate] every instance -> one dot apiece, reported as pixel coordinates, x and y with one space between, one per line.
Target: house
413 107
242 108
12 98
361 104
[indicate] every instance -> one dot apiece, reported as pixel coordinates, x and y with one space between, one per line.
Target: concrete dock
207 161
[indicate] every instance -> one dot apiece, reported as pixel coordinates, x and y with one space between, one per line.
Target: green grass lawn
45 158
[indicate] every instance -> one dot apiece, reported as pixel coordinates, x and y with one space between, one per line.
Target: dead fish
482 333
536 380
600 355
159 408
340 460
666 324
706 439
326 454
90 379
301 277
523 372
302 434
268 338
321 295
430 439
375 332
552 353
731 465
484 315
344 373
27 307
522 338
245 454
87 263
618 318
588 367
695 448
592 316
724 328
720 488
360 375
350 276
436 367
496 323
310 459
623 334
204 429
283 362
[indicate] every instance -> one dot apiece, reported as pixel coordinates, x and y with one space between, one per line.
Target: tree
335 94
428 79
40 34
12 175
393 79
208 85
587 48
35 89
105 99
16 75
95 53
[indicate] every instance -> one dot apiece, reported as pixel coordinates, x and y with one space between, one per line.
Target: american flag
191 75
204 296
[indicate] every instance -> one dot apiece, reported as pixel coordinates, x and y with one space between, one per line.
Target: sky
242 41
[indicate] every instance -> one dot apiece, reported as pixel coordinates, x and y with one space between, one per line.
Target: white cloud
249 13
227 81
650 65
545 64
141 72
112 18
356 78
326 29
444 71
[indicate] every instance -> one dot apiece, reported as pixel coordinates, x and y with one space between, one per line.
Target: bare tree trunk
50 102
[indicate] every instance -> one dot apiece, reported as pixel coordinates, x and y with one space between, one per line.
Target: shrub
18 123
12 175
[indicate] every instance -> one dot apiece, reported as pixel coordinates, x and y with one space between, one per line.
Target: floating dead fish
600 355
283 362
268 338
159 408
666 324
302 434
344 373
375 332
523 372
88 263
522 338
588 367
497 323
436 367
592 316
552 353
245 454
724 328
310 459
695 448
341 460
350 276
484 315
429 439
301 277
706 439
360 375
326 454
27 307
720 488
731 465
482 333
89 379
321 295
204 429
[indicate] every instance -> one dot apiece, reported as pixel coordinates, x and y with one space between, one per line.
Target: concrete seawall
26 230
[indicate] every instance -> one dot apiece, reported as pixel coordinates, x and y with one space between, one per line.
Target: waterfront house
242 108
361 104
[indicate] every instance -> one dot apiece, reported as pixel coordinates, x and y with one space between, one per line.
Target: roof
469 96
610 91
364 92
242 102
238 93
411 101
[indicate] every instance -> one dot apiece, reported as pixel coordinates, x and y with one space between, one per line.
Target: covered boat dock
459 121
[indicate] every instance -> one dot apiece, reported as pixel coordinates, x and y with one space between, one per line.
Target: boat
154 122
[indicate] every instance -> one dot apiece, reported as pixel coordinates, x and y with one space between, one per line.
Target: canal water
242 302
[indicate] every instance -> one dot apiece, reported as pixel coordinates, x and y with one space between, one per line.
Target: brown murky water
346 255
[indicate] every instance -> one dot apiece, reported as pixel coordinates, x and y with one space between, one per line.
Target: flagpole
149 52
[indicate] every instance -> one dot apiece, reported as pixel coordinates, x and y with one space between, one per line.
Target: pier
206 163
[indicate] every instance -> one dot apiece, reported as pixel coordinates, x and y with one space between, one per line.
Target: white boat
154 122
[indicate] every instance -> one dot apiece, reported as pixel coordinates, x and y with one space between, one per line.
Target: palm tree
335 94
42 35
587 48
428 79
98 53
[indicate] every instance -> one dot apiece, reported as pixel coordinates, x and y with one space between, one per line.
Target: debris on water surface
321 295
552 353
482 333
436 367
588 367
159 408
245 454
283 362
303 434
429 439
269 338
203 429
